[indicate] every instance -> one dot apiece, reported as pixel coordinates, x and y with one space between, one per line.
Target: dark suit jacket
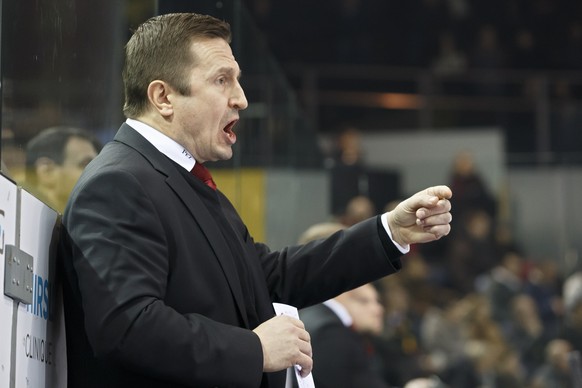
152 292
339 354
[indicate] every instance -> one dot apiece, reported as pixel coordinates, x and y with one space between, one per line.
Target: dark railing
539 112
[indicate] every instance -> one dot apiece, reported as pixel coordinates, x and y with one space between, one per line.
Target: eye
221 81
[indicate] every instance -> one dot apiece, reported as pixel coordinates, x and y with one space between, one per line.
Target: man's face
365 308
203 121
77 154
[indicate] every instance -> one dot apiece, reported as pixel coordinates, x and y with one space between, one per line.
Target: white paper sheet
285 309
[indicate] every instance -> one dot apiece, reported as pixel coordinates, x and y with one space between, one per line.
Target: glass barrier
61 69
61 64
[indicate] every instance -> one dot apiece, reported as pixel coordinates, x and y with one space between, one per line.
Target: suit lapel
190 198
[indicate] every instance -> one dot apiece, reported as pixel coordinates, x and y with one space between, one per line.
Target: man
557 371
358 209
55 159
165 286
337 328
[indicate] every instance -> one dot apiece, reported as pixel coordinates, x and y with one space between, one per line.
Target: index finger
442 192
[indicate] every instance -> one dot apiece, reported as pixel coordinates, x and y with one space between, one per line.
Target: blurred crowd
508 322
472 48
473 310
446 34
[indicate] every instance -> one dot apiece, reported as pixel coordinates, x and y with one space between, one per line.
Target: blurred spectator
555 372
508 371
471 191
349 150
347 31
449 60
487 52
442 336
483 346
501 285
399 345
488 55
425 382
339 328
465 373
527 334
504 238
478 321
472 252
567 118
319 231
544 285
358 209
471 198
55 159
524 53
347 170
572 291
572 325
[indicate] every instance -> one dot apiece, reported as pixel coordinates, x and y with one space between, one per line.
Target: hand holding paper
285 343
303 380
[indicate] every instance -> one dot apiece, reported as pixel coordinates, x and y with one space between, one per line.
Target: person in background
347 169
55 159
500 285
472 254
425 382
544 283
528 335
338 328
556 371
571 329
358 209
471 191
163 284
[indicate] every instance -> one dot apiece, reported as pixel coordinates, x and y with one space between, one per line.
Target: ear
158 92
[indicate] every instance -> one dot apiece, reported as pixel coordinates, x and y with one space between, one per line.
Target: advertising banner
40 351
32 335
7 236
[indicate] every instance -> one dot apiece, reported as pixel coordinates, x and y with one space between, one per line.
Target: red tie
202 173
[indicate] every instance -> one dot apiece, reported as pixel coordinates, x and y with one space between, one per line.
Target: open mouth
228 130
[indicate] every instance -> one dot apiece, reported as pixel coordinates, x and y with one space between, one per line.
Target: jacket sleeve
304 275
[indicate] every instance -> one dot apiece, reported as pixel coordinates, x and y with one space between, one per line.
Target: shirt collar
164 144
340 311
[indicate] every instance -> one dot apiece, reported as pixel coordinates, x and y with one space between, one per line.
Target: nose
238 99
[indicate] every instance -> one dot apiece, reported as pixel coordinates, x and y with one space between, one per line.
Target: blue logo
40 305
